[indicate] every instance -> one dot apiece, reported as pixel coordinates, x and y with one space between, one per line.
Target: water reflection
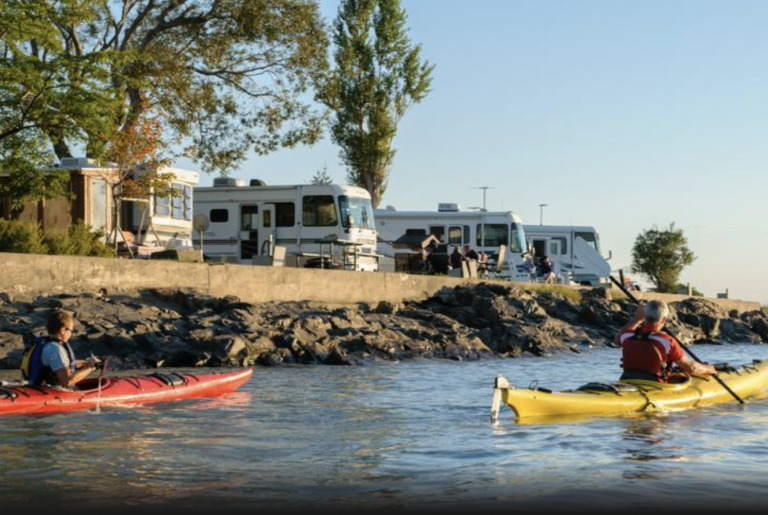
645 441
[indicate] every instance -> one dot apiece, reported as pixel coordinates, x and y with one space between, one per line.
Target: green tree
321 177
226 77
378 76
661 255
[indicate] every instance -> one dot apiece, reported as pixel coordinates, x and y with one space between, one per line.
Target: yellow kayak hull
635 396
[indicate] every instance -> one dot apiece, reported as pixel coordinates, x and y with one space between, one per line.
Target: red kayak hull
120 391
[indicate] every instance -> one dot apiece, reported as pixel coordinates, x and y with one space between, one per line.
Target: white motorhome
312 222
574 250
484 231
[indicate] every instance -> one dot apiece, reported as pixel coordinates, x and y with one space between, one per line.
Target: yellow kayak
633 396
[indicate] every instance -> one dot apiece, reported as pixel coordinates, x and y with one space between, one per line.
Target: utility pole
541 213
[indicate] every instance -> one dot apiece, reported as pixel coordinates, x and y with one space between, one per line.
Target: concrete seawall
25 275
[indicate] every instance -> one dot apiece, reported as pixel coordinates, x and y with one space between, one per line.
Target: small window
248 218
162 206
177 202
187 202
219 216
415 232
454 235
285 212
266 216
319 211
563 244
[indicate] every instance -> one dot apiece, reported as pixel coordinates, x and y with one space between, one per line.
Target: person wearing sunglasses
53 362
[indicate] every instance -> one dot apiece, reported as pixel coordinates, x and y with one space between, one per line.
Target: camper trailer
484 231
317 225
164 221
574 250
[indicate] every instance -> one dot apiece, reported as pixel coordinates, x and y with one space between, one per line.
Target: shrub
79 240
28 238
21 237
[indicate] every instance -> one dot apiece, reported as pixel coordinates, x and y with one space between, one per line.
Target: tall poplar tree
378 76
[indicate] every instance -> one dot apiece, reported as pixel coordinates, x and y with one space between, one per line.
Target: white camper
484 231
315 224
164 221
574 250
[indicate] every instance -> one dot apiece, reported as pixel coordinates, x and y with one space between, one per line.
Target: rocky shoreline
175 328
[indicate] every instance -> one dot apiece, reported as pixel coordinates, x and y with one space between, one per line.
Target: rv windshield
517 243
356 210
591 238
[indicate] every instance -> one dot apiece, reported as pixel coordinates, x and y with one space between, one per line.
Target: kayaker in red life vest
54 364
648 352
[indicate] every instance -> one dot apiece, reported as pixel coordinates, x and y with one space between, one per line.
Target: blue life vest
32 365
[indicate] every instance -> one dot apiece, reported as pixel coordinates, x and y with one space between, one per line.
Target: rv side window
162 206
415 232
285 212
438 231
563 245
454 235
319 211
495 235
219 216
187 202
178 202
249 218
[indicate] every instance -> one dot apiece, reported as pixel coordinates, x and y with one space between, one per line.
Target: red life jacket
647 353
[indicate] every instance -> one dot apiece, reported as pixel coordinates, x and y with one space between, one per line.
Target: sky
616 114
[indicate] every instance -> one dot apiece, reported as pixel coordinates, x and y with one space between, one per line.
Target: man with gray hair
648 352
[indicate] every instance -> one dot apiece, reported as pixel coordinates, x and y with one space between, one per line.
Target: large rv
575 250
484 231
314 223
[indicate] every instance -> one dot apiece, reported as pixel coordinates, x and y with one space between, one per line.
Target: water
409 435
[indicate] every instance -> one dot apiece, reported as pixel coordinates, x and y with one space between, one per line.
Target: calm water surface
406 435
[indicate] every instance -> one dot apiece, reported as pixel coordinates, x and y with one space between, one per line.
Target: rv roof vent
391 208
443 206
227 182
258 182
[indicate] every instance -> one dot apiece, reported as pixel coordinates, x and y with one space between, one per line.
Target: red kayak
121 391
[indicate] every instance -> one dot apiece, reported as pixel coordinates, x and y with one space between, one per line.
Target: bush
28 238
79 240
21 237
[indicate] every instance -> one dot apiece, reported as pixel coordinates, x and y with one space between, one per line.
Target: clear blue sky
616 114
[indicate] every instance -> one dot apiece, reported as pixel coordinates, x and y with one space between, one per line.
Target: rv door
266 229
249 232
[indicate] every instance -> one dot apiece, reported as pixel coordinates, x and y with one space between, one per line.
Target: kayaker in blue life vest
648 352
52 362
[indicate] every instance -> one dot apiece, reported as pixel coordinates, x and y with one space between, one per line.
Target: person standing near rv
51 361
456 258
470 254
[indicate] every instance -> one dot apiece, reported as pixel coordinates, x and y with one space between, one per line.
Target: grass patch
563 291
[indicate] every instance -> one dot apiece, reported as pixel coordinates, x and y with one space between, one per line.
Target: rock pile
174 328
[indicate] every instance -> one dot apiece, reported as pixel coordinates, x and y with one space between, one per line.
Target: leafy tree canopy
661 255
225 77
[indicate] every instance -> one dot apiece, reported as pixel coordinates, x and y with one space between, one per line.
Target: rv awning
415 241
